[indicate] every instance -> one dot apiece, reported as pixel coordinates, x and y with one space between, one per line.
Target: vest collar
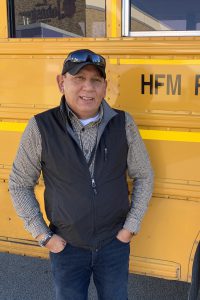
108 112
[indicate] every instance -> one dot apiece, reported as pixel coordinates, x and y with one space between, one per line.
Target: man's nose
88 84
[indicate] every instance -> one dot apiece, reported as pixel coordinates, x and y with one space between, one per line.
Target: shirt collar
73 117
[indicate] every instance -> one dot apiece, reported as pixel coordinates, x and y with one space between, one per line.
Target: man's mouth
87 99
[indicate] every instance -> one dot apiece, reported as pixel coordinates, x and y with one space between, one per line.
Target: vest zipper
94 186
93 205
105 153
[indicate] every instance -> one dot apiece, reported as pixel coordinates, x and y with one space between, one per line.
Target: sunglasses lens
84 56
98 59
77 57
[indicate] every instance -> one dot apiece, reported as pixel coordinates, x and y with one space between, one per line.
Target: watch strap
45 239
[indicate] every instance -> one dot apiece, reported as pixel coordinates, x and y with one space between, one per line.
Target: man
84 149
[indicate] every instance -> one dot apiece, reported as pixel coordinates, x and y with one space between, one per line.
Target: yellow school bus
152 50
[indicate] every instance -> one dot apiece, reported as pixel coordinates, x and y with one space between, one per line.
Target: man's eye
97 80
79 78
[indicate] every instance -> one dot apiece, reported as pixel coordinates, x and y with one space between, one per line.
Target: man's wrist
129 231
45 239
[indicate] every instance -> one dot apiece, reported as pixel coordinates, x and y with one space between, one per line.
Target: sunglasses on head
81 56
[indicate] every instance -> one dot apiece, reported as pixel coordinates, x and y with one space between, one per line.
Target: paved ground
26 278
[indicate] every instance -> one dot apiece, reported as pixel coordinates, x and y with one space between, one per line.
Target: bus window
161 18
58 18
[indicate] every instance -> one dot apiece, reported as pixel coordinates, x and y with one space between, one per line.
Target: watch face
45 240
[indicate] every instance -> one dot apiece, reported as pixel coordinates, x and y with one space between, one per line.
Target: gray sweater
27 169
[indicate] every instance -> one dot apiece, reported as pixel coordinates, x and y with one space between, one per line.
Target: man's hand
55 244
124 235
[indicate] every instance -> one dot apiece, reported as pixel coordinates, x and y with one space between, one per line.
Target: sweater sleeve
23 178
140 171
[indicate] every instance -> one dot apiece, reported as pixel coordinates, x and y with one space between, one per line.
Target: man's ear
105 87
60 82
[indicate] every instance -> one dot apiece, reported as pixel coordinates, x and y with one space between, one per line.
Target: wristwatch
45 239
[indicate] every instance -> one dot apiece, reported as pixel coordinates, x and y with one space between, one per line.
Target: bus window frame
126 22
11 19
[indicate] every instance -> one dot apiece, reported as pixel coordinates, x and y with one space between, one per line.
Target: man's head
77 60
83 82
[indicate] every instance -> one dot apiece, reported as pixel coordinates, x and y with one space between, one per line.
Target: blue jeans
73 267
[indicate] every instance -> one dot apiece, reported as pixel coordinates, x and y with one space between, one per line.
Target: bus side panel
161 94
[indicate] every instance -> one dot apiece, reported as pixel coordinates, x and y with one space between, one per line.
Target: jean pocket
121 242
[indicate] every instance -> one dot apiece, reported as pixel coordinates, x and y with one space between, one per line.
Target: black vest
85 214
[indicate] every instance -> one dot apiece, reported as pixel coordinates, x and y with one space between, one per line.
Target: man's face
84 91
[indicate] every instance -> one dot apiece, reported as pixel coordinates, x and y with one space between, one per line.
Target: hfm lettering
153 83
